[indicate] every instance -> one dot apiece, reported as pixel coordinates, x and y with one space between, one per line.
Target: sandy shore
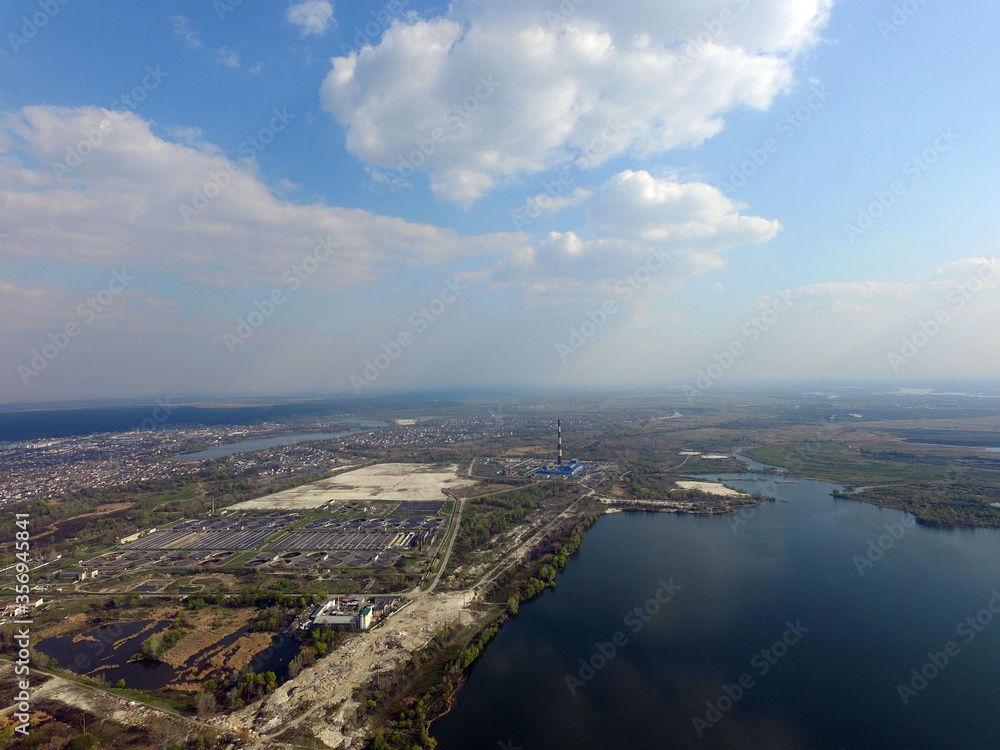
712 488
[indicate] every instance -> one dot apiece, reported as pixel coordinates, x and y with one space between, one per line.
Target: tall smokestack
559 433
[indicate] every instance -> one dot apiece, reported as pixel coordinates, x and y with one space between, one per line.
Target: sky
231 198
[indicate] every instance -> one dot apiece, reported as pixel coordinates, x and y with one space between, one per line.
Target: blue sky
378 168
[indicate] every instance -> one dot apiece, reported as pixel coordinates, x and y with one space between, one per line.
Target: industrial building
566 470
357 611
560 469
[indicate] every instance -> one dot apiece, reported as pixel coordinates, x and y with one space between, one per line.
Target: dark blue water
42 423
786 570
276 657
101 657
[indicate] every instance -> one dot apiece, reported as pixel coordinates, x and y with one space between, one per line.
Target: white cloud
121 205
861 289
550 204
225 56
189 135
181 29
257 67
634 215
663 211
516 91
985 269
976 274
393 182
310 16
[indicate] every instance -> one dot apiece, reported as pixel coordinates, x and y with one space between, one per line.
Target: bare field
385 482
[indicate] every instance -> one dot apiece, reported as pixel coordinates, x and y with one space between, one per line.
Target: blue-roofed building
566 470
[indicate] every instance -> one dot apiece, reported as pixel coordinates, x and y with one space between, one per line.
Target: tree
84 741
204 703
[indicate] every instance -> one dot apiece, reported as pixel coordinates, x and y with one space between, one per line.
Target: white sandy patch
306 497
387 482
712 488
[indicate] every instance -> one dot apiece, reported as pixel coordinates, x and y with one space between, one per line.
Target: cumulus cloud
139 199
310 16
690 215
483 95
634 215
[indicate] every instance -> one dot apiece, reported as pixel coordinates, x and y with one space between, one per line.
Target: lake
98 655
256 444
786 627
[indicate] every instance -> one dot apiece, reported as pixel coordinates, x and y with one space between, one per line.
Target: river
256 444
786 627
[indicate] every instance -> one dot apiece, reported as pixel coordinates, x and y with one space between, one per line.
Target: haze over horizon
365 198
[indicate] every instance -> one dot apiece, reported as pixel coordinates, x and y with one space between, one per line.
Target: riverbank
407 719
